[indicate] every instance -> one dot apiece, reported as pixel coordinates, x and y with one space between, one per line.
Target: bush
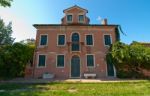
129 59
13 59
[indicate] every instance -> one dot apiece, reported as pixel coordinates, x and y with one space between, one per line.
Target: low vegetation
138 88
130 60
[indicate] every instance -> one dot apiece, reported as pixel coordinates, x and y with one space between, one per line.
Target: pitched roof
75 6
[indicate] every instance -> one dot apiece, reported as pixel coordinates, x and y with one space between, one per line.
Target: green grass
138 88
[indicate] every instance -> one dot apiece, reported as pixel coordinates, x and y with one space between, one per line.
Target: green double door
75 67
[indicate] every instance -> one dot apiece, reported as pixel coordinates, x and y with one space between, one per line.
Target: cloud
99 18
21 28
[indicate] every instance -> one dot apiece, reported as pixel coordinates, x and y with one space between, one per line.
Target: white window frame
58 40
79 41
67 18
56 61
93 59
83 18
104 39
40 40
38 61
86 40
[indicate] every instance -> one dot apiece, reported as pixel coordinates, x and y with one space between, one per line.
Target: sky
132 15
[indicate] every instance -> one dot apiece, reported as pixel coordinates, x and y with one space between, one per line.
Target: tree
5 33
5 3
28 41
13 59
129 60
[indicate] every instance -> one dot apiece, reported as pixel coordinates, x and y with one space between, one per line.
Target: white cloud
99 18
22 29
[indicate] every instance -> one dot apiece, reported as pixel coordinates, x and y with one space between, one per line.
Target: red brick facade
98 49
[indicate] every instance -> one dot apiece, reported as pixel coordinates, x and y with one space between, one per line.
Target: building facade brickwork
74 47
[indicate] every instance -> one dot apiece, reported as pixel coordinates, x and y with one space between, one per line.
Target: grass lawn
138 88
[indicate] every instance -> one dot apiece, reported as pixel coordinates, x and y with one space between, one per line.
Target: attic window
69 18
81 18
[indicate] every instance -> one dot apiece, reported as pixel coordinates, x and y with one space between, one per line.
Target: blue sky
132 15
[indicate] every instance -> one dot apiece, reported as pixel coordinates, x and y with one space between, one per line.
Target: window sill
61 45
41 66
42 46
60 67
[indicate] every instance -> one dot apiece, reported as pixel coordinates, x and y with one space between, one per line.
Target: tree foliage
130 59
5 33
13 59
5 3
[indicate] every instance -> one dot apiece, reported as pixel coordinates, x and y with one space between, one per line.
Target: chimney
104 22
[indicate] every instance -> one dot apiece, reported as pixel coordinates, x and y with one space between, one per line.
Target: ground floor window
90 60
42 61
60 61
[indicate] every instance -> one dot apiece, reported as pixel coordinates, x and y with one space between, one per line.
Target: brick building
74 48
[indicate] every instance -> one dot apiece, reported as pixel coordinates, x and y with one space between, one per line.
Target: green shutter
60 60
89 40
42 59
107 39
90 60
61 39
69 18
75 42
81 18
43 40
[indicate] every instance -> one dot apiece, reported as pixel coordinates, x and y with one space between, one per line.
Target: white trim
104 39
71 64
83 18
58 39
56 61
115 75
79 42
86 40
107 70
38 61
94 61
40 40
67 18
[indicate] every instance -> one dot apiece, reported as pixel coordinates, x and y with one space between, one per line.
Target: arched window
75 42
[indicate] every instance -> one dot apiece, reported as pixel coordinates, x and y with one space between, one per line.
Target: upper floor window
75 42
89 39
90 60
81 18
61 40
43 40
60 61
107 39
69 18
42 61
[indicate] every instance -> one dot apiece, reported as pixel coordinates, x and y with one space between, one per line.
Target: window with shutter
75 42
42 61
89 39
60 60
61 39
43 40
69 18
90 60
81 18
107 39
